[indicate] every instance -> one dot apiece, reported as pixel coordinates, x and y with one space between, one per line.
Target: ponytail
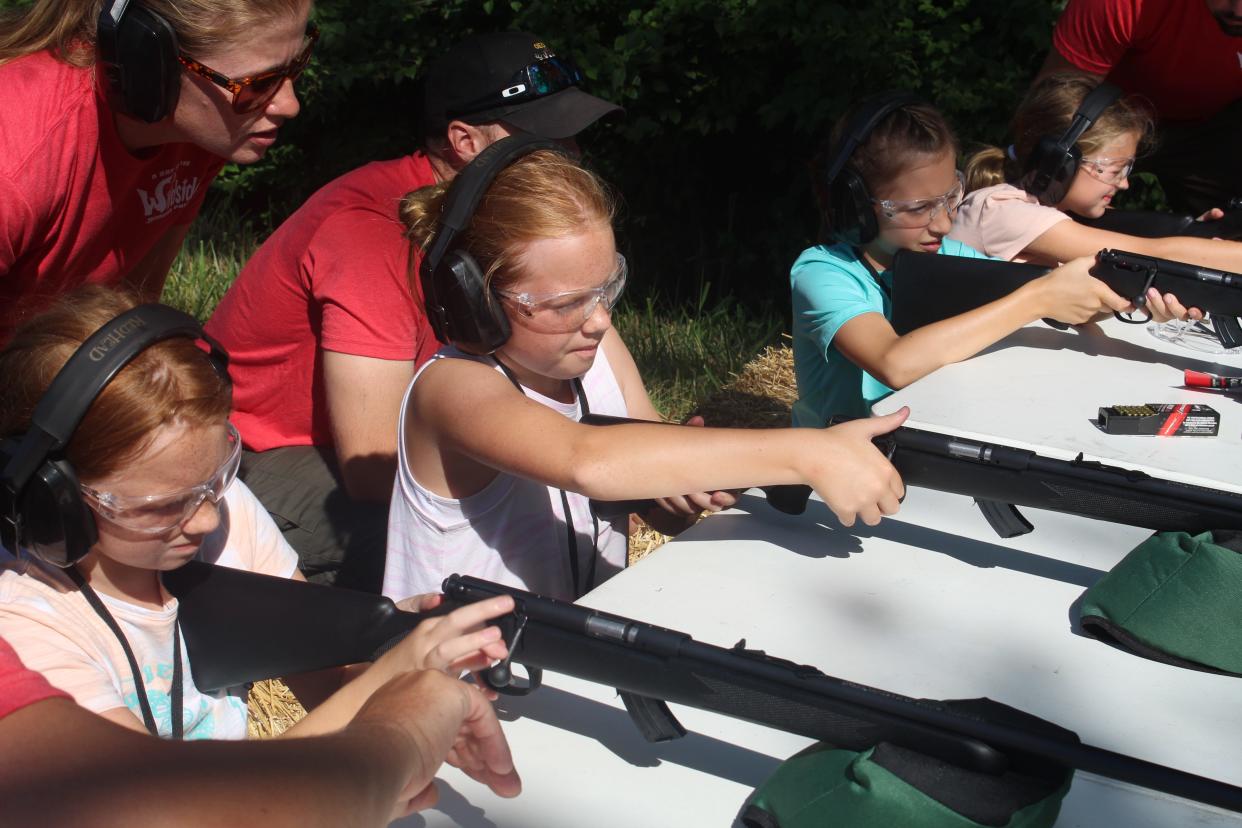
988 167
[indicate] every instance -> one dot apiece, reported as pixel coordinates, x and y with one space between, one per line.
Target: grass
684 353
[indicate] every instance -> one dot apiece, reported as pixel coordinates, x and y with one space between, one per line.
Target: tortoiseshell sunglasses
253 92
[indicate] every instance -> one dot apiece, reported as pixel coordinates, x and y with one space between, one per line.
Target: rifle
1001 478
650 665
1150 224
927 289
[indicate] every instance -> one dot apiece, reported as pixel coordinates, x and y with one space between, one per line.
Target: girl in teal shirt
891 183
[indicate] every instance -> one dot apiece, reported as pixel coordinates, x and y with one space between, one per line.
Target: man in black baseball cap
492 85
514 78
321 326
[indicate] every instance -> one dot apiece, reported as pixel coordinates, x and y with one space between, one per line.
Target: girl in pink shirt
1003 218
157 460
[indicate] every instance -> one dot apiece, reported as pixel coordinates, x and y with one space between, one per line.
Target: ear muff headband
1053 162
851 218
137 50
29 466
457 301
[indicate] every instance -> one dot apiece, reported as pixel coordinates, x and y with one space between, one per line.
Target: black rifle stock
1001 478
1150 224
649 664
928 289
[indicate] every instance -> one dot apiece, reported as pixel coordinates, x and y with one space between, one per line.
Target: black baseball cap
488 77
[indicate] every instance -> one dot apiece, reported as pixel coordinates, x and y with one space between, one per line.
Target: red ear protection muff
1050 168
41 506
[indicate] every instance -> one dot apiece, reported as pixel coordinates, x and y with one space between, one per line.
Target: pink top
1001 221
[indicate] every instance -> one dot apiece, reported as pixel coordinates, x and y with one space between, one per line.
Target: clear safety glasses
1107 170
160 514
567 310
920 212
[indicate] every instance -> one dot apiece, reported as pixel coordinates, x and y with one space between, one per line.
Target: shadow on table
841 542
613 729
1104 345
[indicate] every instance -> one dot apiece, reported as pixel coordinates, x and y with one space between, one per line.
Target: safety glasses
567 310
253 92
160 514
920 212
1107 170
543 77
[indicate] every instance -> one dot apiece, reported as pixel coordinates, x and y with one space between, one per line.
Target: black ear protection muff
137 50
461 309
41 506
848 209
1051 166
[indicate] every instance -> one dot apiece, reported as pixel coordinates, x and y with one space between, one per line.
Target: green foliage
687 351
726 101
219 243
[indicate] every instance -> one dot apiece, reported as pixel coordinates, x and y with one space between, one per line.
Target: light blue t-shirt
830 287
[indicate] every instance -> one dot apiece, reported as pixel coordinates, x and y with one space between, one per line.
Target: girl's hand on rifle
687 508
850 473
454 643
1165 307
1070 294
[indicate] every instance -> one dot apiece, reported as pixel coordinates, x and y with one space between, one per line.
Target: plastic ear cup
57 525
140 59
476 323
850 214
1052 169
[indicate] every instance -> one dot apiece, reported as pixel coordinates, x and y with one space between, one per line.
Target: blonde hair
1048 109
171 382
544 195
67 27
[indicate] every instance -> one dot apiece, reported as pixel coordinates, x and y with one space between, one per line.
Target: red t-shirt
1170 51
334 276
75 206
20 687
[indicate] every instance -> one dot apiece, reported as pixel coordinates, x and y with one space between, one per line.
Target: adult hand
850 473
432 718
1212 215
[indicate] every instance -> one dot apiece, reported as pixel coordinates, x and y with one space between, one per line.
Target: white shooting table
1040 389
928 604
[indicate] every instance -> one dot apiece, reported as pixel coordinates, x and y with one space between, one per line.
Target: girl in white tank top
495 470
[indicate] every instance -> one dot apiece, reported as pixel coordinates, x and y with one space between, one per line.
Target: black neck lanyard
571 533
862 257
97 604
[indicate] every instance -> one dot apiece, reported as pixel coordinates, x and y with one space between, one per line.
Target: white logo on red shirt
169 193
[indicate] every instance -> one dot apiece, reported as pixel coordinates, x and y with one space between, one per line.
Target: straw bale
273 709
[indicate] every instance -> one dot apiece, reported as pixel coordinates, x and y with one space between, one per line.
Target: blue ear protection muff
41 506
1051 165
461 309
848 209
137 50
